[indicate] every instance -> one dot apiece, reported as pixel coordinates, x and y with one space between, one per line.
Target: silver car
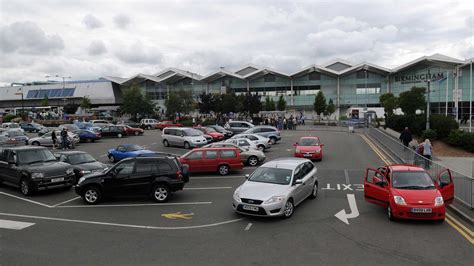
247 156
267 131
276 187
183 137
263 143
243 143
46 140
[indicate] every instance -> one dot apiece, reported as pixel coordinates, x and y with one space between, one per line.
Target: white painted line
215 177
122 225
7 224
346 175
30 201
248 227
103 155
135 205
204 188
154 143
64 202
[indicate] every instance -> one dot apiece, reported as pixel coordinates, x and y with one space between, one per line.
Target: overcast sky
90 39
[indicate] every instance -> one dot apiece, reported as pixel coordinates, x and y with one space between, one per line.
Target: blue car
126 151
31 127
89 135
88 126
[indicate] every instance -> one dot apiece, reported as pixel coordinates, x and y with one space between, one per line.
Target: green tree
180 102
320 104
85 103
269 104
389 103
252 104
206 103
70 108
331 108
281 104
412 100
136 104
45 101
230 103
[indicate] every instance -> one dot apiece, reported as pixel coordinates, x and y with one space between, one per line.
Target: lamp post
470 98
20 92
428 103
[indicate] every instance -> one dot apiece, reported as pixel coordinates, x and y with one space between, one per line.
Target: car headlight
297 151
399 200
37 175
438 201
237 195
85 172
70 171
81 180
274 199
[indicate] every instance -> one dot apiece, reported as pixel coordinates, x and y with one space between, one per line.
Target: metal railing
463 184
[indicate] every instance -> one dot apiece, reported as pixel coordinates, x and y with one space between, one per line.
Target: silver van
183 137
238 126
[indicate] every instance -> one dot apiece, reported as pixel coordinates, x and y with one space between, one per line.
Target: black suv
113 131
157 177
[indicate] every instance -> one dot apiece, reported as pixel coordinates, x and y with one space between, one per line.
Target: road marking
343 216
64 202
30 201
346 175
103 155
453 225
122 225
248 227
8 224
154 143
136 205
289 149
178 215
205 188
215 177
375 149
470 232
357 187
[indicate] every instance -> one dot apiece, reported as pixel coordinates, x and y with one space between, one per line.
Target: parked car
227 133
82 162
88 126
6 141
247 156
267 131
113 131
125 151
409 192
276 188
31 127
238 126
32 169
12 126
263 143
183 137
220 160
157 177
216 136
70 127
165 124
148 123
46 140
100 123
133 130
310 148
89 135
17 135
243 143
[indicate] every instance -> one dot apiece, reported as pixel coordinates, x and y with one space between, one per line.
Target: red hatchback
310 148
409 192
133 130
216 136
221 160
165 124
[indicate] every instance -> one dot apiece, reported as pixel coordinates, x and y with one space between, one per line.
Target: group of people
424 149
64 138
46 115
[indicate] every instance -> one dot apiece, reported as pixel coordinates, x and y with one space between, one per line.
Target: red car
133 130
216 136
409 192
164 124
310 148
221 160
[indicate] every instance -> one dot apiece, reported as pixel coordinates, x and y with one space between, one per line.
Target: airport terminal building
346 83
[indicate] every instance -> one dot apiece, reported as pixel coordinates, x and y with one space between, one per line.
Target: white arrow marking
343 216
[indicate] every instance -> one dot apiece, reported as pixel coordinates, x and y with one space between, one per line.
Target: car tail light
179 175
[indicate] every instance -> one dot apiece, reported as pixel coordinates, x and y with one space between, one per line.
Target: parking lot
198 226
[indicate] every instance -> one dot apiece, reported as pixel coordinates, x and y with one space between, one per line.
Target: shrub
429 134
462 139
8 118
416 123
443 125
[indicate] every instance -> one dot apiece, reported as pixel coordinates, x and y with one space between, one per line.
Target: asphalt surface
65 231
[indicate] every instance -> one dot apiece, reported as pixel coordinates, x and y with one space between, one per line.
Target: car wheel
92 195
161 193
35 143
186 145
273 140
119 135
25 187
89 140
223 169
289 209
389 213
148 127
166 143
112 159
314 192
261 147
252 161
136 133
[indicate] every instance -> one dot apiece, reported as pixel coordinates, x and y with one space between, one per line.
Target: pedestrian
194 121
406 137
64 138
294 123
54 138
427 152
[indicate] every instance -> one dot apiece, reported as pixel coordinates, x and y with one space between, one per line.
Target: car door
9 170
444 182
210 161
145 171
119 153
298 189
376 187
118 183
194 160
309 178
244 143
230 157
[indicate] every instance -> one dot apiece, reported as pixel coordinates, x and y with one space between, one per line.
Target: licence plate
54 180
307 155
421 210
250 208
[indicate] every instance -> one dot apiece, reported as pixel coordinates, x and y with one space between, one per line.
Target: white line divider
66 201
103 155
205 188
15 225
248 227
122 225
27 200
216 177
136 205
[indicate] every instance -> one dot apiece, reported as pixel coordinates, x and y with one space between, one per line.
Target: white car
263 143
12 127
46 140
243 143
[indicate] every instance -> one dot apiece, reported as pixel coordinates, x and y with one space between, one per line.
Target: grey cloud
27 37
97 48
91 22
122 21
137 53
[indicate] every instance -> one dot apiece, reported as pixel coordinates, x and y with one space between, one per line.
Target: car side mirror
247 176
298 181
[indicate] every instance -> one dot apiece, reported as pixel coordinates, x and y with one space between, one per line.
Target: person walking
427 152
406 137
64 138
54 138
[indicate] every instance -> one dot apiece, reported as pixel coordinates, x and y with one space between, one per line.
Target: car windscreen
14 126
192 132
15 133
218 128
271 175
35 156
412 180
133 147
308 142
210 130
80 158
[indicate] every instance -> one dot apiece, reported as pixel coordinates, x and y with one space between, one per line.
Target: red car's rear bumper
314 156
405 212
